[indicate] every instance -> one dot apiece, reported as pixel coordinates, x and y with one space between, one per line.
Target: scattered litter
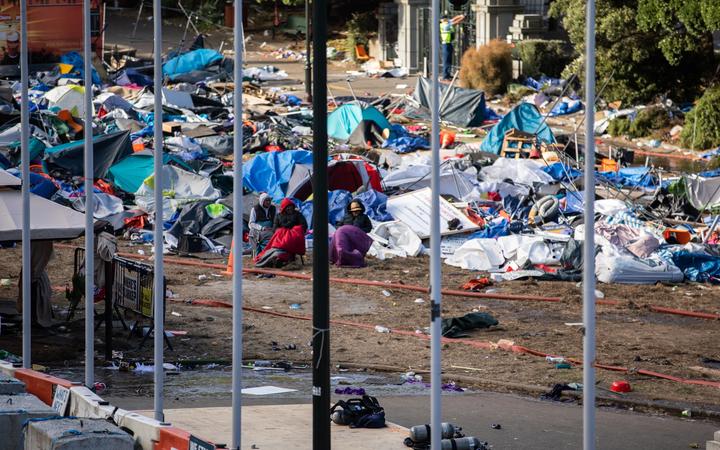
381 329
386 293
176 314
350 391
5 282
419 301
295 306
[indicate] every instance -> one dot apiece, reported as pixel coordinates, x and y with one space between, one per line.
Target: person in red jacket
288 239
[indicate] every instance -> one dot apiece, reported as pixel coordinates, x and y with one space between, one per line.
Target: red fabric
292 240
375 180
285 203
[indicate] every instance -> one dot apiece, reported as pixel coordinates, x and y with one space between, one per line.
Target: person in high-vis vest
447 36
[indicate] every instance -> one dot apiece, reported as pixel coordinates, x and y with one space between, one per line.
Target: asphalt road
526 423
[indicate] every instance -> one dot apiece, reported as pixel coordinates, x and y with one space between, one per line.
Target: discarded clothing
457 327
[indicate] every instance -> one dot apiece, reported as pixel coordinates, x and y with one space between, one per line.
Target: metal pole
321 272
589 250
159 284
89 206
237 233
25 166
308 65
435 262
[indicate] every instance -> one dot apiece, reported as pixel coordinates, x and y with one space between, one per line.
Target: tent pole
435 262
89 206
159 278
25 166
589 249
321 270
237 293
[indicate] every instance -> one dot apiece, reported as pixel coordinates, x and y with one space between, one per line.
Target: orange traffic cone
231 260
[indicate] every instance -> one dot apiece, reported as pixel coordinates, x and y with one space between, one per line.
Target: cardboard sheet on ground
413 209
266 390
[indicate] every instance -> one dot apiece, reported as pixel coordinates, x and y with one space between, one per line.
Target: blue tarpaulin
565 107
193 60
338 201
375 205
270 172
343 121
524 117
698 266
631 176
561 172
74 59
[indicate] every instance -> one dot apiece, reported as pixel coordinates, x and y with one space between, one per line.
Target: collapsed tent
108 149
270 172
68 97
129 173
524 117
179 187
192 60
348 175
459 106
357 125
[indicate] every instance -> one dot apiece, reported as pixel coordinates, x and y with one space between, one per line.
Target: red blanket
291 240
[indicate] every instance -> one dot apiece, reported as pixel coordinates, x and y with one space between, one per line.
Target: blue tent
270 172
129 173
524 117
342 122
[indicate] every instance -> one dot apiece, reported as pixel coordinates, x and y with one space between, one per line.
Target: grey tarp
461 107
703 193
108 149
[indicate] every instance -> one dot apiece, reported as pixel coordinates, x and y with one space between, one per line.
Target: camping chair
360 53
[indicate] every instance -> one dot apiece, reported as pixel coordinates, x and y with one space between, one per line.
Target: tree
640 43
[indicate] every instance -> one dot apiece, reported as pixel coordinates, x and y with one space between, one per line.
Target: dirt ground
628 334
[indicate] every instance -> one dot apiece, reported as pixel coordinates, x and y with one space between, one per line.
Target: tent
129 173
461 107
48 220
193 60
70 97
348 175
524 117
351 119
270 172
107 150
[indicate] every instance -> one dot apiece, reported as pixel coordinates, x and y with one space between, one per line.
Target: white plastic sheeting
179 187
392 239
478 254
414 174
524 171
613 268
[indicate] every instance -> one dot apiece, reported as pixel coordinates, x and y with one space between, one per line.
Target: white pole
25 166
159 287
238 45
435 263
89 206
589 250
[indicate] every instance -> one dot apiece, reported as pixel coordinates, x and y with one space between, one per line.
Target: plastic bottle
421 433
555 359
382 329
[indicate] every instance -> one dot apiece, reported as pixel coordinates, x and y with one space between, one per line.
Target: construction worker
447 36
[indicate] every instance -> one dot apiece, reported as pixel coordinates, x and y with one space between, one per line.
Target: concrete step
76 434
712 445
10 385
14 411
717 436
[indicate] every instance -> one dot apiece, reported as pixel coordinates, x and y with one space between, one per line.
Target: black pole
321 272
308 67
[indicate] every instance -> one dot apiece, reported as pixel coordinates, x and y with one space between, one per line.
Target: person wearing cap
356 216
12 49
261 220
447 36
350 242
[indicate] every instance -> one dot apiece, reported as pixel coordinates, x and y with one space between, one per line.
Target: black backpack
364 412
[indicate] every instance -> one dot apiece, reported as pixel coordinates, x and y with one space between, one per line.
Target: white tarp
413 209
453 182
392 239
623 269
703 193
525 171
478 254
179 187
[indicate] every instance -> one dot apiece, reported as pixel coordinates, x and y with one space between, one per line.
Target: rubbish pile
512 192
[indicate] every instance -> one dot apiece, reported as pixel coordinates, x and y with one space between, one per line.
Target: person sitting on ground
356 216
288 239
350 243
262 218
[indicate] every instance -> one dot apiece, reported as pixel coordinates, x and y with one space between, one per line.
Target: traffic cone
231 260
